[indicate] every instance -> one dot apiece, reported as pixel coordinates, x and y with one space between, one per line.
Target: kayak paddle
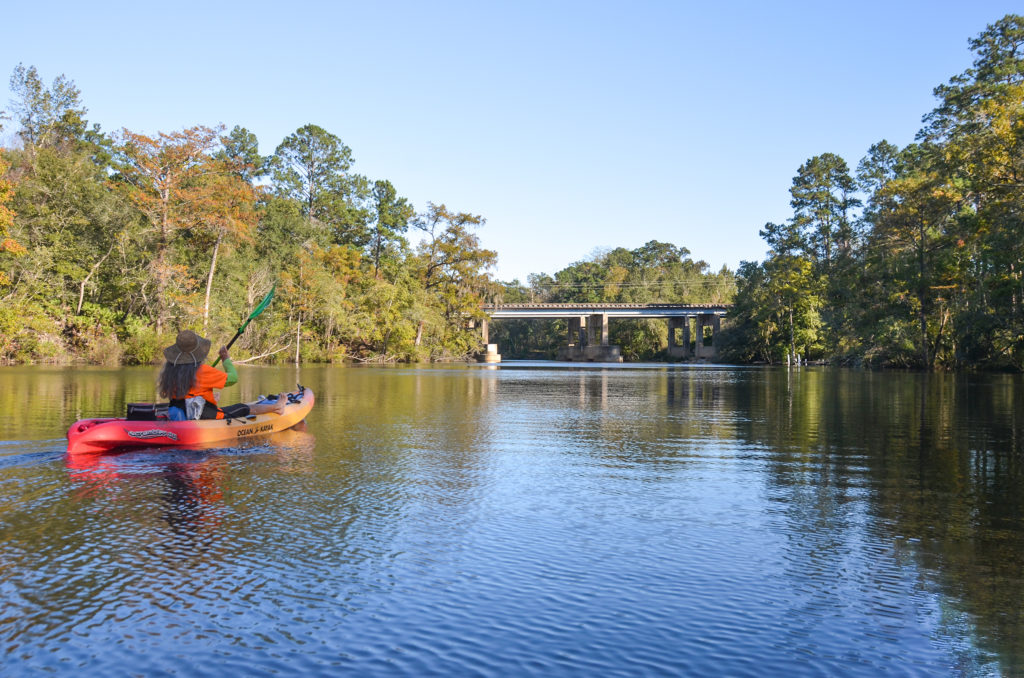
259 309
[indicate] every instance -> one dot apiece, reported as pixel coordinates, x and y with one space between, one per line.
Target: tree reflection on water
936 459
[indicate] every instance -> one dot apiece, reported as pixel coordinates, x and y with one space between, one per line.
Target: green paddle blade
263 304
259 308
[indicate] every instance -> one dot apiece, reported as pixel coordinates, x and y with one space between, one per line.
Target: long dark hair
175 381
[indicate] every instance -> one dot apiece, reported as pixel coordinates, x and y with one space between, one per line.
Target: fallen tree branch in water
377 358
257 357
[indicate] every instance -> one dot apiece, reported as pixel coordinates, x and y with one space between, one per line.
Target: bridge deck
499 311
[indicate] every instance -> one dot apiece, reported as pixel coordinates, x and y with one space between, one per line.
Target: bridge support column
576 341
599 348
699 351
597 326
679 349
490 354
703 352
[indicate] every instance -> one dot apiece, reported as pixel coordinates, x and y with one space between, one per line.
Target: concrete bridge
588 327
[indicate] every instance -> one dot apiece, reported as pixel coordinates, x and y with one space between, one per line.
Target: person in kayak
188 383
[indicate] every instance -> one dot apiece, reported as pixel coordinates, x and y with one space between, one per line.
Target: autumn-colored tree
177 184
7 243
912 212
223 211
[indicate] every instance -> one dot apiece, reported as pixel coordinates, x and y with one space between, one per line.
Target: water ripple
452 521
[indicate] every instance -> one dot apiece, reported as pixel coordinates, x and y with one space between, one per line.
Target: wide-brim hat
188 348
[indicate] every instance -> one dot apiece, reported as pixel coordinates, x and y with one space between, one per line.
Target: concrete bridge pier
575 341
490 354
588 341
698 335
701 351
576 328
679 347
598 348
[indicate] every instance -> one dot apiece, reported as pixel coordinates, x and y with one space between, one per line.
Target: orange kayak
93 436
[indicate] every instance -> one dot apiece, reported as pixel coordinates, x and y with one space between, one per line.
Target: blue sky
569 126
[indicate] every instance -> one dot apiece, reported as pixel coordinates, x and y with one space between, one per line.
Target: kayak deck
93 436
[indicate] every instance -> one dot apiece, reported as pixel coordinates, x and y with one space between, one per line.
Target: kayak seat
146 411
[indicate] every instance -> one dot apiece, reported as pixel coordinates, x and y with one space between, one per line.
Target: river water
527 519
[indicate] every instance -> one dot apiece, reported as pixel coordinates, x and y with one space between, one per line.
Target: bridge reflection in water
692 328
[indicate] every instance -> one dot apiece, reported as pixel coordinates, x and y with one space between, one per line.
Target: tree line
110 243
915 258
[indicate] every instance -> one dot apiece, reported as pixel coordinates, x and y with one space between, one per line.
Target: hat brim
175 355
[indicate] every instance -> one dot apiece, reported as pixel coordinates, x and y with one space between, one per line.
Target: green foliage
640 339
48 116
141 345
929 274
391 219
29 334
241 150
311 167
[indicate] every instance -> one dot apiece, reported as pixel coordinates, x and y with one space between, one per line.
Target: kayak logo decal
152 433
252 430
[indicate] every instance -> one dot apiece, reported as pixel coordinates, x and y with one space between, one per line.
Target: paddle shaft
234 339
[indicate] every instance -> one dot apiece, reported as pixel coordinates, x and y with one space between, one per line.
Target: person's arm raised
229 367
